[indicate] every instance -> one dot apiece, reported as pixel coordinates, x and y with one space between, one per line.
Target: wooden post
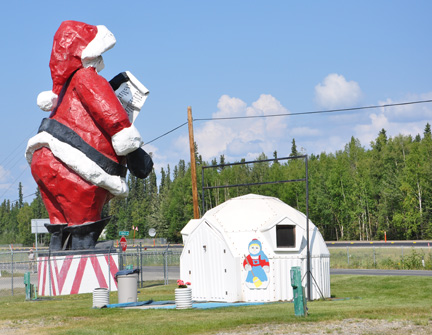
193 165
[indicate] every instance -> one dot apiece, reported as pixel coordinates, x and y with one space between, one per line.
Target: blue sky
231 58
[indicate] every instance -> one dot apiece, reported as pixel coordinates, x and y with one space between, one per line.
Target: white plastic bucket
100 297
183 298
127 286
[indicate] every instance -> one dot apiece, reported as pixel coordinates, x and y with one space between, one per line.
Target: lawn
397 258
364 297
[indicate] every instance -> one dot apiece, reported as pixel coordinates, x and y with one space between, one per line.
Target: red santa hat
76 45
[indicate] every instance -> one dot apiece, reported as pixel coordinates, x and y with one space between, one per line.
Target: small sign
123 233
123 243
38 226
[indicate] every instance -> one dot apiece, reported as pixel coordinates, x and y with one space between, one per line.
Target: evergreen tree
353 193
294 151
427 131
221 162
20 196
24 217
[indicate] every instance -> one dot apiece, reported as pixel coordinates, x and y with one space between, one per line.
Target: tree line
354 193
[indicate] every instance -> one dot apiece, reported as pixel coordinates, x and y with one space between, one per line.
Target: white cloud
230 107
247 138
4 174
404 119
336 92
412 112
240 138
327 143
4 177
367 133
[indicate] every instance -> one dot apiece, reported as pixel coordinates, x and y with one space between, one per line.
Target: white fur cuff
126 141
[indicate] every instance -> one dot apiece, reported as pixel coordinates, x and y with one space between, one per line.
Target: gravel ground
348 326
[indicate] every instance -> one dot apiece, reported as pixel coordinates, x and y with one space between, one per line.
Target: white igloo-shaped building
243 250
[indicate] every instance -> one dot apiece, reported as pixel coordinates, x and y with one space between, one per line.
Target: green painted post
27 285
34 292
298 292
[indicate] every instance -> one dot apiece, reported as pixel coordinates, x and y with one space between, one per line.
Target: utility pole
193 165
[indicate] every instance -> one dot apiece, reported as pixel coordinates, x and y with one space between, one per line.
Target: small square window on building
285 236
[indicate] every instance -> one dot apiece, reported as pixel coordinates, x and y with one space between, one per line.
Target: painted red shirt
255 262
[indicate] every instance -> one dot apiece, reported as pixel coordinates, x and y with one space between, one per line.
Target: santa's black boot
57 236
85 236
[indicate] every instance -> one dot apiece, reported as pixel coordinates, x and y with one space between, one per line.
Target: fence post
348 256
109 271
120 258
137 256
402 258
374 256
141 267
166 265
12 269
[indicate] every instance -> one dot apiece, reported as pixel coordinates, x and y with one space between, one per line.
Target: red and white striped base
74 274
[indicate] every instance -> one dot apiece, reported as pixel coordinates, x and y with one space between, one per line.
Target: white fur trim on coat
78 162
126 141
103 41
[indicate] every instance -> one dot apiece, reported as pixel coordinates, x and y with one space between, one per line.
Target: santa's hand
248 267
266 268
139 163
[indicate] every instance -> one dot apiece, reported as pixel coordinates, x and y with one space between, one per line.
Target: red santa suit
78 156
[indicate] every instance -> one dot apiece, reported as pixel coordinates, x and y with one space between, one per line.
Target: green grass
382 297
385 258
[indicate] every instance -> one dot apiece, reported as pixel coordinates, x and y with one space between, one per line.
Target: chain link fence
161 264
156 265
390 258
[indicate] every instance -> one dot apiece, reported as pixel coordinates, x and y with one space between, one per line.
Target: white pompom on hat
47 100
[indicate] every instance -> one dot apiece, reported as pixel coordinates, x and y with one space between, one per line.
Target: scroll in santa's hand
131 93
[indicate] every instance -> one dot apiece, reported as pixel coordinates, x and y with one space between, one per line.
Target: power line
13 183
264 116
183 124
25 196
295 114
316 112
13 153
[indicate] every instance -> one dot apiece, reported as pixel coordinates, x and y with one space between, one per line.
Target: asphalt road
157 273
373 272
388 244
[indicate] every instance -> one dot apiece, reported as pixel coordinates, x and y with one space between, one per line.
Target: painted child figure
257 265
79 155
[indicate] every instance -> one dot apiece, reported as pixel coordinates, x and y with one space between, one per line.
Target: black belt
67 135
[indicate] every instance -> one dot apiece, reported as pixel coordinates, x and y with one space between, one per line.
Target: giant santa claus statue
79 156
